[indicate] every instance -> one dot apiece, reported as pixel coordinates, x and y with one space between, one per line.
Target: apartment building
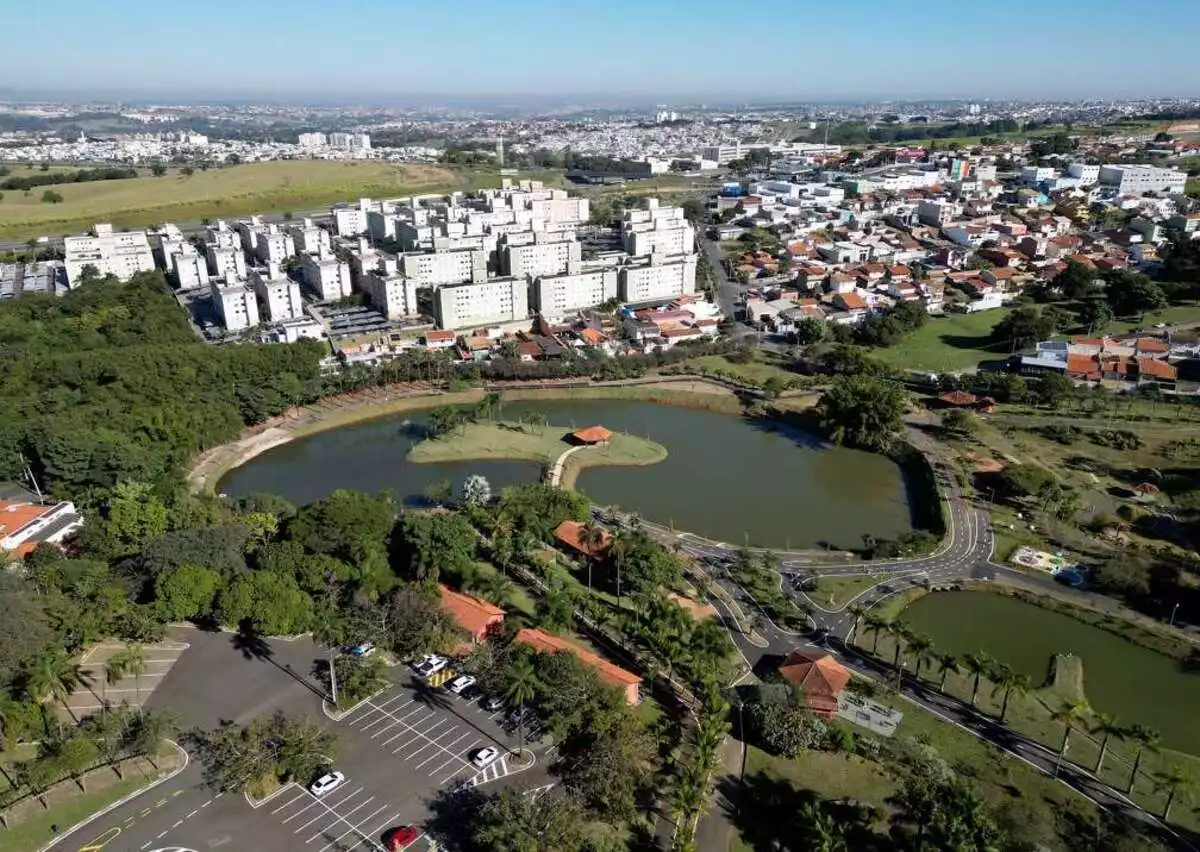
189 267
1138 180
110 253
308 237
326 277
279 296
657 278
663 236
559 295
547 255
273 246
350 141
236 305
313 140
351 220
448 267
469 305
1087 175
392 294
228 262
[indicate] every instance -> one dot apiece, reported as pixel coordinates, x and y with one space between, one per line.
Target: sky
647 51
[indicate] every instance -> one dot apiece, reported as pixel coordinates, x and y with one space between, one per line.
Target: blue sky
642 50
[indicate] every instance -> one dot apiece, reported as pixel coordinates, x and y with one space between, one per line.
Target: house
477 618
25 525
820 677
475 348
439 339
851 303
571 533
545 643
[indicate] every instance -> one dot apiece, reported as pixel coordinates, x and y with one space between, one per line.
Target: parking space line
357 828
302 810
337 817
299 795
433 741
440 768
331 808
347 815
421 734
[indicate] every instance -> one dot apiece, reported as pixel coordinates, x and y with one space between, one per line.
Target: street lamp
1174 610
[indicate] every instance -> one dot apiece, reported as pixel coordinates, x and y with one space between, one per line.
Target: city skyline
622 53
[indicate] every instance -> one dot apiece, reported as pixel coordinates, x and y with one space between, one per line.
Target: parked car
328 781
493 703
432 666
366 649
401 837
461 683
484 756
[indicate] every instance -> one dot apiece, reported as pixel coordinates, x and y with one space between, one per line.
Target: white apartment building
222 236
664 236
280 297
350 221
448 267
326 277
545 256
350 141
120 254
228 262
236 305
1087 175
313 140
560 209
273 245
658 279
308 237
1138 180
1033 175
937 212
190 268
381 225
395 296
469 305
559 295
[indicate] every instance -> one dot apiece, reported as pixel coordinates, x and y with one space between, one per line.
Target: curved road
965 554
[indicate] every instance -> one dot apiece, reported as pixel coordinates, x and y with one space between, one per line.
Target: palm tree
1107 726
1010 681
520 687
1147 739
591 536
900 633
147 732
947 663
329 631
1172 782
877 626
1069 713
979 665
51 678
132 661
920 645
857 612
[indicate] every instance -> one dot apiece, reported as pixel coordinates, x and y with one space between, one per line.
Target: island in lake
563 452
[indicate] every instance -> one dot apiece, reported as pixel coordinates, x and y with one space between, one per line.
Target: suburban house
476 617
25 525
570 533
820 677
539 640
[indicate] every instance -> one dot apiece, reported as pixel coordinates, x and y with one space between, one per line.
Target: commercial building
279 297
447 267
546 643
1138 180
549 254
236 305
110 253
658 278
301 328
470 305
559 295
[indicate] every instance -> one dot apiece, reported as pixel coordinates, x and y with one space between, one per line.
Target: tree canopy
862 411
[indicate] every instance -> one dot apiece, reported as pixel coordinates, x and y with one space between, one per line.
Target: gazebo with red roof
820 677
592 436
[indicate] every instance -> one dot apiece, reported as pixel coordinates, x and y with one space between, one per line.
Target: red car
402 837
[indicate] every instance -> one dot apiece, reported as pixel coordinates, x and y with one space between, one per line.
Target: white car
432 666
461 683
328 781
484 756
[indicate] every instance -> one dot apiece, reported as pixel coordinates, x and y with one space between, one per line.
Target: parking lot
350 817
94 688
433 733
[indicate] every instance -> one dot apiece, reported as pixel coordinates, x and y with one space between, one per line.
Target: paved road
397 749
728 290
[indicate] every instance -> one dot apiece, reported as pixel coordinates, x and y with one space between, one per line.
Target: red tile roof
819 676
473 615
439 336
1156 369
851 301
1150 344
592 435
570 533
958 398
542 641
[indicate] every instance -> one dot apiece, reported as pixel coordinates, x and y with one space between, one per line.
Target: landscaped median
535 442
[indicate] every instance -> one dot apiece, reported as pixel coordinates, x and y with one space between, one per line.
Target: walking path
556 471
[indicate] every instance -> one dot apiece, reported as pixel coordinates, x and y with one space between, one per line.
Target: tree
158 170
520 687
773 387
809 330
1009 681
920 645
947 664
134 515
416 624
786 729
978 665
1052 389
77 756
556 611
857 613
876 625
477 491
1146 739
1130 293
515 822
1023 328
439 492
1172 781
329 630
862 411
946 815
187 171
51 197
1076 282
130 660
271 604
1107 727
1096 315
145 733
959 422
1068 713
186 592
51 677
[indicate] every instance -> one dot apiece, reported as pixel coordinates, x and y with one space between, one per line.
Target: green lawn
518 599
949 343
33 833
833 592
294 185
760 367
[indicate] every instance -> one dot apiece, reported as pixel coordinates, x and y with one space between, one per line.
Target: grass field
834 592
282 186
36 832
762 366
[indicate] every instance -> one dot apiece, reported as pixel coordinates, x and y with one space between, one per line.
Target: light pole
1174 610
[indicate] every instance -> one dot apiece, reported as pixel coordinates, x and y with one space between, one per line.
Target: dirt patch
984 464
697 610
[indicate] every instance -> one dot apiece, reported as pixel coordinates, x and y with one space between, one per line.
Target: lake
1131 682
725 476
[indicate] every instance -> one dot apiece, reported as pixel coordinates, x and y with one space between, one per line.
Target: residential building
273 246
189 267
122 254
313 140
350 141
326 277
1137 180
350 221
393 295
1086 174
471 305
545 256
559 295
447 267
279 296
937 213
657 278
477 618
310 238
25 525
226 262
236 305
